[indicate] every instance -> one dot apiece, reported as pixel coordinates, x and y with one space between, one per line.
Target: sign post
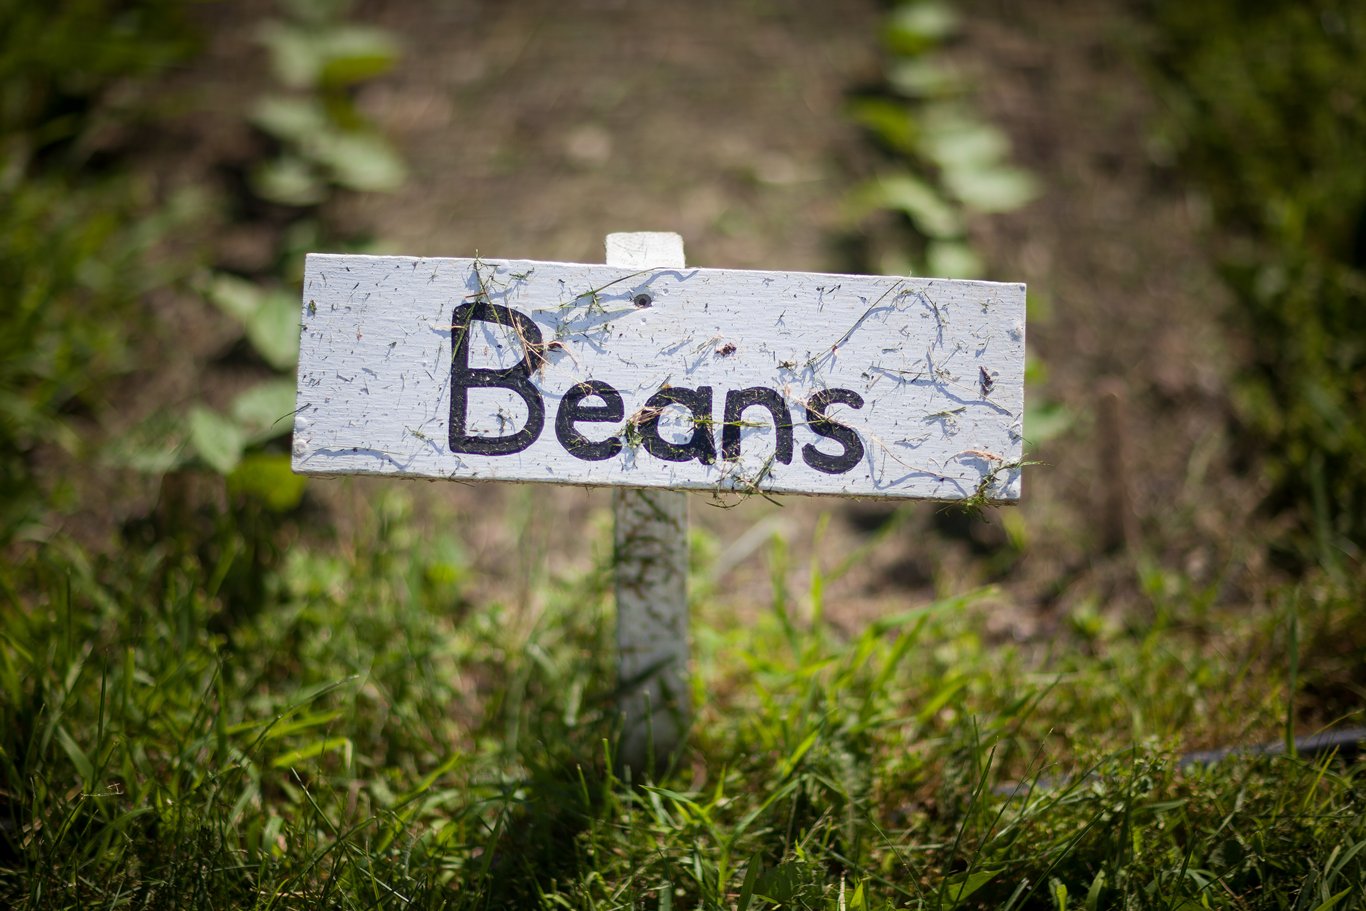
647 375
650 556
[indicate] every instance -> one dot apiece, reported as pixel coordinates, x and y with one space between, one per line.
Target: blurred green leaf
274 330
1045 420
289 180
293 53
355 53
268 478
270 317
922 78
449 564
954 139
952 259
235 296
1036 371
361 161
264 410
889 120
315 55
991 189
905 193
216 439
917 26
290 118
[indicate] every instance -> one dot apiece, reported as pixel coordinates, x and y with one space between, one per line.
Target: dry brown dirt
534 128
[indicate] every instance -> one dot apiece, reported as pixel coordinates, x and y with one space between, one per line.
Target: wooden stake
651 579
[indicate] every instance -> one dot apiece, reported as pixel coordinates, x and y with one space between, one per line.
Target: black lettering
572 410
700 446
823 426
737 400
516 378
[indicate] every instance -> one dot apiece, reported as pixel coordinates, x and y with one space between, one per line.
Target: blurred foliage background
1267 110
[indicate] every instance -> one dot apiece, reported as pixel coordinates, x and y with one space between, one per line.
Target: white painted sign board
702 379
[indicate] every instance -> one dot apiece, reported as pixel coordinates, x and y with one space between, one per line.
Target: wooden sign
702 379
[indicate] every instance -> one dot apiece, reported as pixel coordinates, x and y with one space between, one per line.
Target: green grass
363 736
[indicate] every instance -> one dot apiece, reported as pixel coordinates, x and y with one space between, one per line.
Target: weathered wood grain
938 367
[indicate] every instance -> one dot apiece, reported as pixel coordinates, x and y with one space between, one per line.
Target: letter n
737 400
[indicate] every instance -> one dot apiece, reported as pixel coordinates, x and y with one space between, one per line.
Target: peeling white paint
938 365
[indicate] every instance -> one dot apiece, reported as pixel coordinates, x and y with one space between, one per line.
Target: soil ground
534 128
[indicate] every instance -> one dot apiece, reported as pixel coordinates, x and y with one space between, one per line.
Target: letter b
516 378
